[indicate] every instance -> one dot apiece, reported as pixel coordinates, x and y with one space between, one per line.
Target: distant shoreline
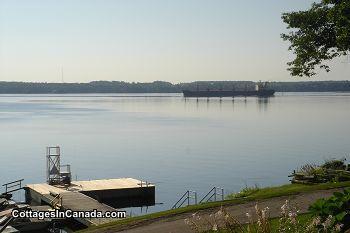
160 87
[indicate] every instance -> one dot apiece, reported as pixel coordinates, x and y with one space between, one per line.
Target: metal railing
213 193
6 221
188 195
13 186
145 183
65 168
56 202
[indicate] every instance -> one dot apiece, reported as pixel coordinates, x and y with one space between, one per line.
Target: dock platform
93 194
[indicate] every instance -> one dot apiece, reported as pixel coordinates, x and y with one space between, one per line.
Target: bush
258 222
245 192
333 170
338 206
334 164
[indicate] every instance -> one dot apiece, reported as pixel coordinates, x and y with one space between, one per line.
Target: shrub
335 164
333 170
245 192
223 222
338 206
308 169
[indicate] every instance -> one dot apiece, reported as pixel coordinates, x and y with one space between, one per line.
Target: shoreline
169 216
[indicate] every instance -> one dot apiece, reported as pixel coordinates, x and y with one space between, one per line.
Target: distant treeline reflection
164 87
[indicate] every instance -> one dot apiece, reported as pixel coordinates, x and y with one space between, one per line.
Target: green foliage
303 219
317 35
308 169
338 206
288 189
245 192
333 170
289 221
335 164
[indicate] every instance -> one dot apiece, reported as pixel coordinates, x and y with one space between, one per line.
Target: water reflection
262 103
222 103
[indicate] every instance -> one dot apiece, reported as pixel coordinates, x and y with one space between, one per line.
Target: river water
178 144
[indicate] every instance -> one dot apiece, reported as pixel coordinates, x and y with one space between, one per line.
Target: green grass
303 219
290 189
245 192
262 193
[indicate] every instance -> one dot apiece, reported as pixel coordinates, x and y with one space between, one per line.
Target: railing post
214 193
188 198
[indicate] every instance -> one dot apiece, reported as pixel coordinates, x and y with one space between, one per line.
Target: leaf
317 35
338 194
347 191
339 217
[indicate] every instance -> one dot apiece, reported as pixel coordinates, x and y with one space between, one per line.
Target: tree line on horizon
165 87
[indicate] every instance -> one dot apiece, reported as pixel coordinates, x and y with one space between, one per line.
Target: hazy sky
146 40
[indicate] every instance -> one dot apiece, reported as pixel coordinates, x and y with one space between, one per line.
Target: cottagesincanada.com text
68 213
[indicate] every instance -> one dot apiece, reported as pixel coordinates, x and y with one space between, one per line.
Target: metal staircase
13 186
188 195
215 194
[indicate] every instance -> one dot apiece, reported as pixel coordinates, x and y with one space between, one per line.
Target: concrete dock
93 194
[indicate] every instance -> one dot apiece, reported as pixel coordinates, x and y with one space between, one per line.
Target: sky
147 40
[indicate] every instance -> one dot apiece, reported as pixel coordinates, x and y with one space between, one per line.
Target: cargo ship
260 91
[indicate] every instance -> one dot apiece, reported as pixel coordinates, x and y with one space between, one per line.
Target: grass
261 193
302 218
291 189
245 192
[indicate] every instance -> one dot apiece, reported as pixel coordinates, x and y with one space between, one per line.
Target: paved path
177 225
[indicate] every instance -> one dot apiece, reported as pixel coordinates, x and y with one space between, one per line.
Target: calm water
177 144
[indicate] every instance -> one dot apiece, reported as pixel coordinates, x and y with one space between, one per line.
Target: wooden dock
79 202
90 195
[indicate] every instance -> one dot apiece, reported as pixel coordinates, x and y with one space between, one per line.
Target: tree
317 35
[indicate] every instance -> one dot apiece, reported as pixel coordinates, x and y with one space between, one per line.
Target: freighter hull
260 93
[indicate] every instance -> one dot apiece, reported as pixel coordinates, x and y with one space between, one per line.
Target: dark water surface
178 144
